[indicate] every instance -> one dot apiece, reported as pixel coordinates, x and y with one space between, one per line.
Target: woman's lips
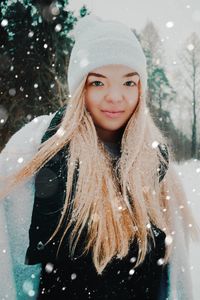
112 114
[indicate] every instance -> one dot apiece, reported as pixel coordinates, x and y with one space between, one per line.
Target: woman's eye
131 83
95 83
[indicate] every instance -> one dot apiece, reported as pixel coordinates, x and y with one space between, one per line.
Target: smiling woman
113 100
105 199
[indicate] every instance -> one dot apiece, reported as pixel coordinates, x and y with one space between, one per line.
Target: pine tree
159 88
34 55
190 62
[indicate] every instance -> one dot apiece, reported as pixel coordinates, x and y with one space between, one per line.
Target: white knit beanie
99 43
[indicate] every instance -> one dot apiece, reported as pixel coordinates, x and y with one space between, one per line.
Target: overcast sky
185 15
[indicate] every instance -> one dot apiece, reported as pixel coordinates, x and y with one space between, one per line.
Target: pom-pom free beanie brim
99 43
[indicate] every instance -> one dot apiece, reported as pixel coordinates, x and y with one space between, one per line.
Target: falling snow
155 144
49 267
190 47
31 34
132 271
160 261
58 27
55 11
133 259
12 92
168 240
20 160
27 286
148 225
169 24
73 276
4 22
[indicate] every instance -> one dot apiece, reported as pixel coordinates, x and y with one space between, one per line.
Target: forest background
36 38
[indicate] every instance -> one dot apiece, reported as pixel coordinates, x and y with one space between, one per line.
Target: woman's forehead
113 70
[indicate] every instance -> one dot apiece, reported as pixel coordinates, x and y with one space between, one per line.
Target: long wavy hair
116 205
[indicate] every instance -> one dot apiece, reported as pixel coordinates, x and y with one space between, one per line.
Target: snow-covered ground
189 173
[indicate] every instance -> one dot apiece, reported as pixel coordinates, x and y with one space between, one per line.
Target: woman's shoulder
29 132
24 143
32 132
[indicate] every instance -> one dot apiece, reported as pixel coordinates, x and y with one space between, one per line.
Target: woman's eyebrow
131 74
100 75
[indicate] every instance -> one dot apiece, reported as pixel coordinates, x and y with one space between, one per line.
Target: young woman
107 221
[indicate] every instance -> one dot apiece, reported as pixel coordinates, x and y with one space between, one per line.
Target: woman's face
111 97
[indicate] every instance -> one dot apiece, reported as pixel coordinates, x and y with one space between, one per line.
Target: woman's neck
108 136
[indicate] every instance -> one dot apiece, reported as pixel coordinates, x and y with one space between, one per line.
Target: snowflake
169 24
168 240
27 286
160 261
131 271
133 259
31 293
155 144
58 27
20 160
55 10
12 92
73 276
35 120
31 34
49 267
4 22
190 47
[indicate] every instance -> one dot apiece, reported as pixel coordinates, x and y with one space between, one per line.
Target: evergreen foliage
34 52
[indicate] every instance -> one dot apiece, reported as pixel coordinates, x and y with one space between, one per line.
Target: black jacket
76 278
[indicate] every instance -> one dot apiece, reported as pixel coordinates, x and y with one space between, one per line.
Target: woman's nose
114 94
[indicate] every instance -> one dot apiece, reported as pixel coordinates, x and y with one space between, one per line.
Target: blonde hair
116 205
